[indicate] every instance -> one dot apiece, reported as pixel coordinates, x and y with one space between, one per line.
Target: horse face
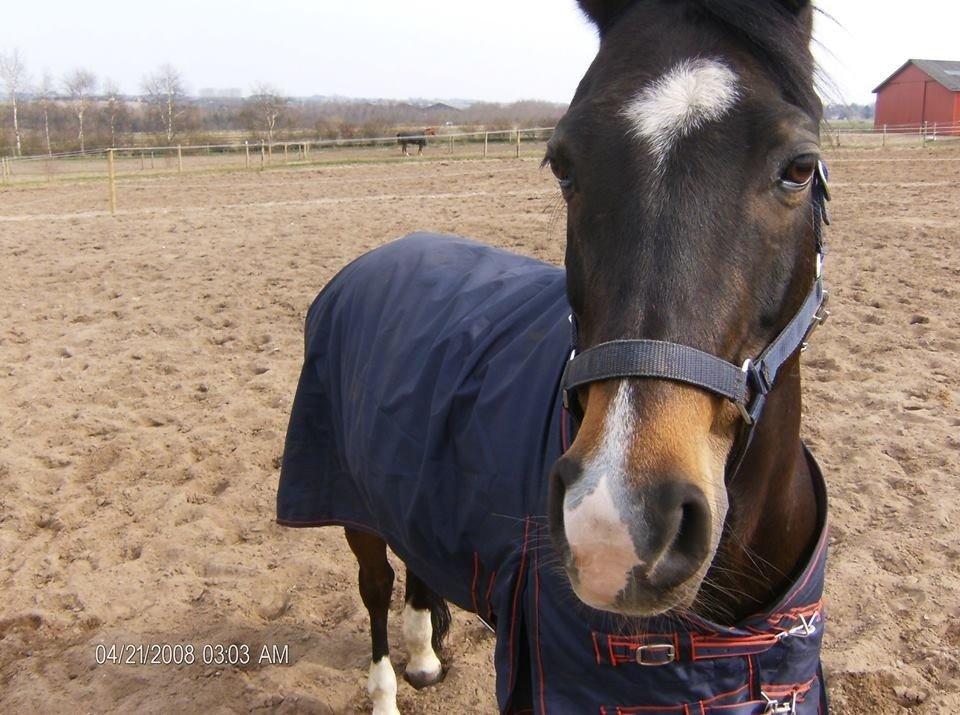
686 161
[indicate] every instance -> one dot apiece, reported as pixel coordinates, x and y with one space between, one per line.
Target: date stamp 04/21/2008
226 654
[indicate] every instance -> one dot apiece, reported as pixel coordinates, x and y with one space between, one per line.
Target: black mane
778 37
776 32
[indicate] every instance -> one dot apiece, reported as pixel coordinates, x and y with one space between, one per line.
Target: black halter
746 386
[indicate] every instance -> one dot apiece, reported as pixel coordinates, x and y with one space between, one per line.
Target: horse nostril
685 535
694 527
567 470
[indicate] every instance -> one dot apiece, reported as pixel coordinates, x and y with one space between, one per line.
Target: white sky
498 50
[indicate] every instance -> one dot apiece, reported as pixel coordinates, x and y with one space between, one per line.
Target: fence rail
883 134
123 162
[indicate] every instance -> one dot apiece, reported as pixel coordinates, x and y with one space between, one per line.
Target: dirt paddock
147 367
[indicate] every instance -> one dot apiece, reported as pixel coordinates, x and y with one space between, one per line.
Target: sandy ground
147 367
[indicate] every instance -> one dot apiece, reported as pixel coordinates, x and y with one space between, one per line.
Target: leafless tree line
79 111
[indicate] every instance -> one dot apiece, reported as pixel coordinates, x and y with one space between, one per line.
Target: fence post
112 176
934 131
518 143
884 142
923 134
286 160
263 154
3 169
246 148
179 159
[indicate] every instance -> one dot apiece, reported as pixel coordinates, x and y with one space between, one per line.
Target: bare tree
165 91
13 74
80 85
45 94
268 103
111 93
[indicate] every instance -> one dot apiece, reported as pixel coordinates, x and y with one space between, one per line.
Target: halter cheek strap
746 386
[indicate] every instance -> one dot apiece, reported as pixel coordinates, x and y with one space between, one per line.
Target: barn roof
945 72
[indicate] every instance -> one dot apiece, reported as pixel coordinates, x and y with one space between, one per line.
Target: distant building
920 92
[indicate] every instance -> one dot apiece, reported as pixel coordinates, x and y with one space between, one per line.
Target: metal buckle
667 654
780 707
804 630
750 412
819 318
824 176
744 412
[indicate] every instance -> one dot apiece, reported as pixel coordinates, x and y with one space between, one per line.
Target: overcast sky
499 50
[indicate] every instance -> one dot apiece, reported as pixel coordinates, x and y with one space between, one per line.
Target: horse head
688 160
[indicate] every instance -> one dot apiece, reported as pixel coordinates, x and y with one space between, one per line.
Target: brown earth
147 366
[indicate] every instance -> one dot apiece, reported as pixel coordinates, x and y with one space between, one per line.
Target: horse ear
603 12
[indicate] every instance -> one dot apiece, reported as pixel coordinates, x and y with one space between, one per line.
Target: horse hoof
423 680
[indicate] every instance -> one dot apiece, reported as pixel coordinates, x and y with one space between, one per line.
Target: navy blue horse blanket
428 412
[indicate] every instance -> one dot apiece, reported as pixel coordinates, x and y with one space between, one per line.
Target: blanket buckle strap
656 655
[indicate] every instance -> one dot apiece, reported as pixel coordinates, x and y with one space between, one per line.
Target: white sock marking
418 635
382 687
687 97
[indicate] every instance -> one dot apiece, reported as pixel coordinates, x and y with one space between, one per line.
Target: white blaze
599 540
686 98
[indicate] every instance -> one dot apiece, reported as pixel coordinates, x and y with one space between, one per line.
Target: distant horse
417 139
622 495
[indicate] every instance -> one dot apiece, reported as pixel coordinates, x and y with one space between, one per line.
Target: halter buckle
823 175
663 654
819 318
755 379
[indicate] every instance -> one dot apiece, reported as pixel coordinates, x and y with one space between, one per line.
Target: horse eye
799 173
563 177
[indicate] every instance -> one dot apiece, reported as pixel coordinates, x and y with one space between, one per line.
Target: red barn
922 91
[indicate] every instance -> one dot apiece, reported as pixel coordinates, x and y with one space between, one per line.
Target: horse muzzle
634 550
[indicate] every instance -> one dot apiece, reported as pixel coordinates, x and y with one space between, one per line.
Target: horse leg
420 150
426 620
376 586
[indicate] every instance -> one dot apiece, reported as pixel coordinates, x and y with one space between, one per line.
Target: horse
603 462
417 139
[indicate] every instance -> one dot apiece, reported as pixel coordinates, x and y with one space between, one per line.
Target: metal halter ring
753 378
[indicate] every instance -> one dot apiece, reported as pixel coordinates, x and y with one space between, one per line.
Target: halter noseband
746 386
